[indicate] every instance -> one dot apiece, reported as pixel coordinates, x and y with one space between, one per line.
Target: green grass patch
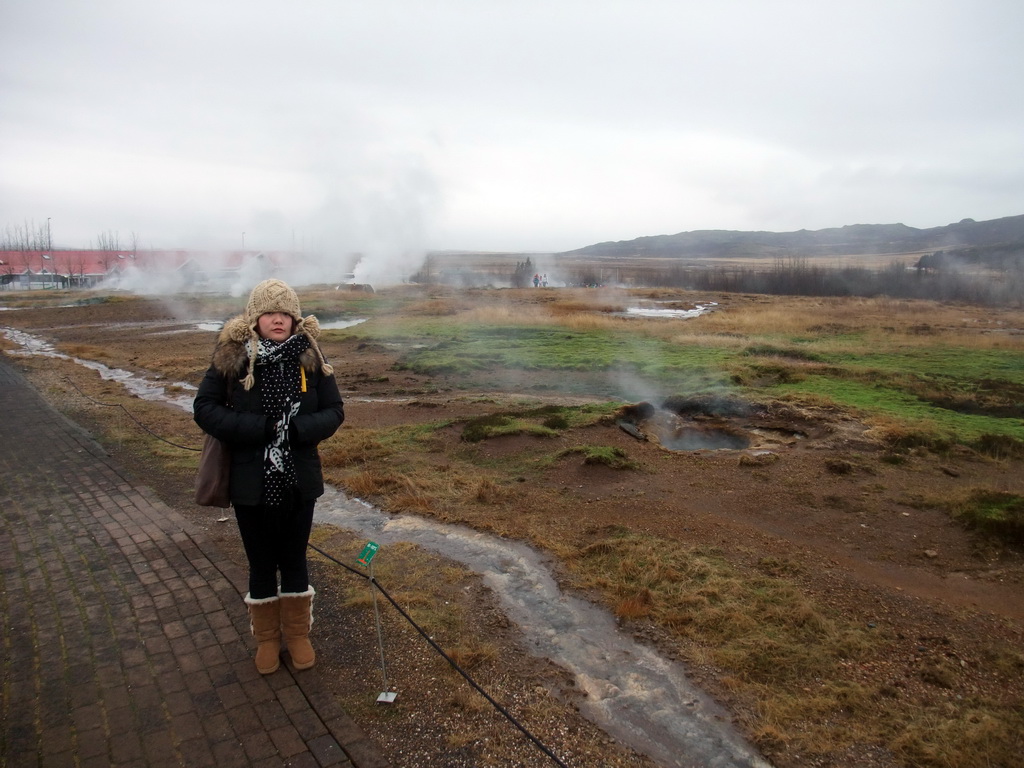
446 347
879 399
961 363
771 350
546 421
503 425
604 455
944 394
996 513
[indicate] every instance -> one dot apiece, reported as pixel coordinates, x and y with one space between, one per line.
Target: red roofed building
180 270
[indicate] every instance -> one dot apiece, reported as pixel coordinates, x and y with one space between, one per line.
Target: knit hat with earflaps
277 296
272 296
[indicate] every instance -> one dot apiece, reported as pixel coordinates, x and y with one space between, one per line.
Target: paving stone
129 647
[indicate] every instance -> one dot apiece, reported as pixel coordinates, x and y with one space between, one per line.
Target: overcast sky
536 125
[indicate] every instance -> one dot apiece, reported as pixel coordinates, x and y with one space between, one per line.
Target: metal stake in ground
366 559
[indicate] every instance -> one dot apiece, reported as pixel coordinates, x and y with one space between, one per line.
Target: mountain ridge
850 239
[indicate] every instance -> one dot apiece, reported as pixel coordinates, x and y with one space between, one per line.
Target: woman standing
272 397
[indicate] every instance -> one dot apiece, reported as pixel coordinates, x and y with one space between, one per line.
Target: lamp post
46 256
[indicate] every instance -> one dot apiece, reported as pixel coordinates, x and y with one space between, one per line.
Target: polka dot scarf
277 364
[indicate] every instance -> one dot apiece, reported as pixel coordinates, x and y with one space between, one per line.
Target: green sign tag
368 552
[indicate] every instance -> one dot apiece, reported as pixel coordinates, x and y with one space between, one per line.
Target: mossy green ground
956 393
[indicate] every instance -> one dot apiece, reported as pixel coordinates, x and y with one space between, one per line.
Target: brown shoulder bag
213 478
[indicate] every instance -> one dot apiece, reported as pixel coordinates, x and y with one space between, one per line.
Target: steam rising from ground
221 272
373 218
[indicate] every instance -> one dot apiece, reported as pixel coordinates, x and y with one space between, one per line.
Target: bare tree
62 264
27 237
108 241
78 267
108 245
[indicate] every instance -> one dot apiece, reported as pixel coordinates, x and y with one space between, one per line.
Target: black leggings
275 539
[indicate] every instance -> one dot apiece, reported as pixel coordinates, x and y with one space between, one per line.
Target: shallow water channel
140 386
632 692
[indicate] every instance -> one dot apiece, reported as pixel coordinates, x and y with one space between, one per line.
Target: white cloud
532 125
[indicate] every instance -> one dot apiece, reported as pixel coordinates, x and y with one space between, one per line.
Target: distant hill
850 240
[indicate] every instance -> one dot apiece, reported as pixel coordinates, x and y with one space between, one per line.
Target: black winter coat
238 419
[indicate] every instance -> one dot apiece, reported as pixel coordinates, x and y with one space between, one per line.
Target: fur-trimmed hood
231 359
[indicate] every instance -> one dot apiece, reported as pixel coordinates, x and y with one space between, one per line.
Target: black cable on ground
130 416
454 665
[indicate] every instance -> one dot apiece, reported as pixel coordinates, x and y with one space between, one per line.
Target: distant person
536 280
272 397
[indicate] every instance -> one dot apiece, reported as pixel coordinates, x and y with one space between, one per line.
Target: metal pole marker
366 559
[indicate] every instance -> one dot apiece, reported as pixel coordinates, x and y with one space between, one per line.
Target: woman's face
276 326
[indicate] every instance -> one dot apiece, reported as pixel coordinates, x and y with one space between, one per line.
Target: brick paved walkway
125 639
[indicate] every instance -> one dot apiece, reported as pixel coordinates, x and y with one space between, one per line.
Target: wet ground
807 488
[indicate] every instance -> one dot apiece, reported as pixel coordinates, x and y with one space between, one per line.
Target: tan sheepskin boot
265 622
296 620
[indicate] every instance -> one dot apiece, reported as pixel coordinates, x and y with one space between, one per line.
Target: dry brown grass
774 645
88 352
505 315
376 483
916 322
874 321
490 492
353 446
438 307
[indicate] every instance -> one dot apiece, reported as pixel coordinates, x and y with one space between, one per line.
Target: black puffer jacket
237 419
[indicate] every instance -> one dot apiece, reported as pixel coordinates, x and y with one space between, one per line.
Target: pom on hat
311 327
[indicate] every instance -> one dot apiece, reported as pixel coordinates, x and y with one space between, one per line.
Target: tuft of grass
556 421
771 350
471 654
999 446
490 492
635 606
765 375
87 352
605 455
839 466
352 446
502 425
997 513
982 733
545 421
